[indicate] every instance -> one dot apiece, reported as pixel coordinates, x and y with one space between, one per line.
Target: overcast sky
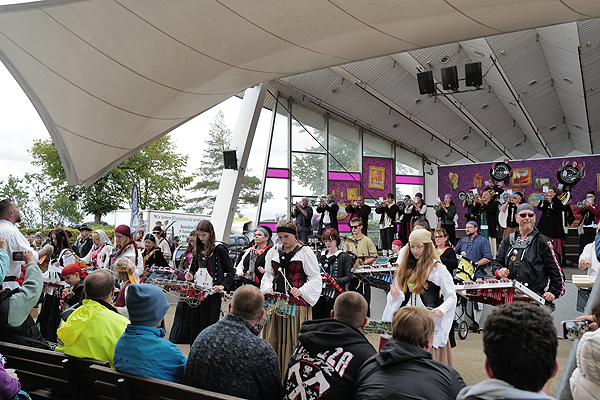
20 125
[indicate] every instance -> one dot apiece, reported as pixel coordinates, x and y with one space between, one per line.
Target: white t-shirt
15 242
589 252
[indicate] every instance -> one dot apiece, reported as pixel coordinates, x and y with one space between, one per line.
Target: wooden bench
114 385
52 375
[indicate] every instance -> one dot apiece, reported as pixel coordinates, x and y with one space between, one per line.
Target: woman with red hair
74 276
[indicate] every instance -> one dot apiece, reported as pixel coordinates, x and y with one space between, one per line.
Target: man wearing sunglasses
528 256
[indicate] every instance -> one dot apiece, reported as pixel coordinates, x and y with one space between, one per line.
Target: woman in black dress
181 331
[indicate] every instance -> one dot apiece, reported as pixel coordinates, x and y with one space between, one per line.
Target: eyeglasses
440 237
354 226
417 248
524 215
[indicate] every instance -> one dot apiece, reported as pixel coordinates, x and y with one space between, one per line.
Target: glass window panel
344 146
375 146
277 206
308 174
279 157
315 125
373 228
408 163
404 189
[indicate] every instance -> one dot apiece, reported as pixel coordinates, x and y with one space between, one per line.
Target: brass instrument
582 204
470 196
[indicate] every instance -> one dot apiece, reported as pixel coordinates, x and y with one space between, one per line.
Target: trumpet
582 204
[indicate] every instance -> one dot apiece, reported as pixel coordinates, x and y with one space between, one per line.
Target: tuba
568 175
501 172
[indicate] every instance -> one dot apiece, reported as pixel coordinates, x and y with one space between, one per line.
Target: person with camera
328 210
303 213
528 256
16 242
590 216
585 381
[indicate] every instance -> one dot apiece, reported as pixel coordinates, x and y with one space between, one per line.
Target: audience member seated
142 349
404 368
228 357
93 329
520 344
74 276
16 325
330 352
585 381
10 387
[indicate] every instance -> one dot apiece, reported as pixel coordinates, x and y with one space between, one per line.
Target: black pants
387 237
589 234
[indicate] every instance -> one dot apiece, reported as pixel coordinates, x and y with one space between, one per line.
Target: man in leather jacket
528 256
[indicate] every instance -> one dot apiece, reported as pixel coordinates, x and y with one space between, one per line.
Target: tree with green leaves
219 139
157 170
15 189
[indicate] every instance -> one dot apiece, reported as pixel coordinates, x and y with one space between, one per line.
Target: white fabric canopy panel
109 77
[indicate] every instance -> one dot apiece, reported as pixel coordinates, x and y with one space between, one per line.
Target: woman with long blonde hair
422 273
291 268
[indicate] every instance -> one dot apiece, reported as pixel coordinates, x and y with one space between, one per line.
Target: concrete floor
468 354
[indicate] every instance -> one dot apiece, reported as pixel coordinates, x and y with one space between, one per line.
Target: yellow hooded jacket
92 331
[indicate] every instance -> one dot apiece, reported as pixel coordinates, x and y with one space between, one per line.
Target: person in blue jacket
142 349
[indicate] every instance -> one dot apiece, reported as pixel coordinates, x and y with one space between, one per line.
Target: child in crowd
74 276
125 268
142 349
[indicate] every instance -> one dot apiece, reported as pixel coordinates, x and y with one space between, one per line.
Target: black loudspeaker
450 78
426 85
473 76
230 159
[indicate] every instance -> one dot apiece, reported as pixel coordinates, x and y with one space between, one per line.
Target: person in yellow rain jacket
92 330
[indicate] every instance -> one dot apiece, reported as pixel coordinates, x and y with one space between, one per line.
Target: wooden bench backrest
109 388
42 373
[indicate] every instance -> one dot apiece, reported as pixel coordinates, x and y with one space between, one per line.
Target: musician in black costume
212 267
153 256
337 265
528 256
252 265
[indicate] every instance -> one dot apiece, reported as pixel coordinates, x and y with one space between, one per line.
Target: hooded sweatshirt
402 370
326 360
91 331
495 389
585 382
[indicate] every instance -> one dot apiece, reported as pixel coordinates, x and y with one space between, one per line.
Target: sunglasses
523 215
440 237
354 226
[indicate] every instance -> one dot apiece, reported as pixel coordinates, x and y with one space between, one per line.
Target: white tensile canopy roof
108 77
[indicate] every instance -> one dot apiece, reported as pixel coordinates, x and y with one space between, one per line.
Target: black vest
27 334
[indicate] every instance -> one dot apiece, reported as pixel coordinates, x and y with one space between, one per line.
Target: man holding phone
15 241
528 257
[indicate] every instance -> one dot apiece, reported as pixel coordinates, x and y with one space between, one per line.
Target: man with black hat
84 243
528 256
162 242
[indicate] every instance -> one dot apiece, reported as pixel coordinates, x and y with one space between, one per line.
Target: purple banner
278 173
530 177
344 176
411 180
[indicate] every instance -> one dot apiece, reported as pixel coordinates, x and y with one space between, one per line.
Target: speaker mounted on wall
230 159
450 78
473 75
426 85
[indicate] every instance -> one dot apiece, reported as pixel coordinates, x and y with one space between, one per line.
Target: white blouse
440 276
311 290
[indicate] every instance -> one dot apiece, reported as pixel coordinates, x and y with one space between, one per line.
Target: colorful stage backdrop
529 177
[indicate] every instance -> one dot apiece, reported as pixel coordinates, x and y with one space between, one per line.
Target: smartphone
17 256
574 329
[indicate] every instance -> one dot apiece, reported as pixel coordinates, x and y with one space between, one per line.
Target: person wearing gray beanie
142 349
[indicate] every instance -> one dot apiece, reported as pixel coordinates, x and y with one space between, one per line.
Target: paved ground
468 354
